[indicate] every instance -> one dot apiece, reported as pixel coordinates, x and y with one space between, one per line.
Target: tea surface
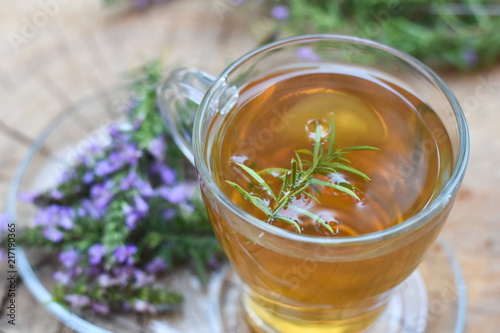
278 115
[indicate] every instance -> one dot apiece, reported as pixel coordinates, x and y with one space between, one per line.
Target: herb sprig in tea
302 175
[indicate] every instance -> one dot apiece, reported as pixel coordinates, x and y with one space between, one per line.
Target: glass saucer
432 300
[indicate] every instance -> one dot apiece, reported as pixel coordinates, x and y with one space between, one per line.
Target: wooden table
50 61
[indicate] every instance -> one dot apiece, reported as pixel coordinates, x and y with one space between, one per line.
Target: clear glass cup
284 294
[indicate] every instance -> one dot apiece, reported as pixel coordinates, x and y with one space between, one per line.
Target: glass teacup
282 292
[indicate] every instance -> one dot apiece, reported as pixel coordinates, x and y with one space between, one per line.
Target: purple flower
213 263
56 194
93 149
55 215
144 188
44 217
470 57
53 234
105 280
77 301
5 219
140 205
68 175
100 308
144 307
101 194
87 158
167 175
157 148
178 193
142 279
69 258
80 211
61 277
124 254
128 181
76 271
131 216
88 177
96 252
169 213
109 165
156 265
94 270
113 130
126 306
66 222
28 197
307 54
87 207
123 274
65 216
130 154
3 256
280 12
141 4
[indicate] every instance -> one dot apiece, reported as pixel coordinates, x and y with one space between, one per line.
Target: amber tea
279 117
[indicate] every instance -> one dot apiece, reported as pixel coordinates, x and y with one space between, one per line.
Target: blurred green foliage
461 33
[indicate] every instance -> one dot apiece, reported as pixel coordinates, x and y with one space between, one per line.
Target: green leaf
335 186
326 170
299 160
312 197
360 148
293 178
305 152
317 144
332 137
315 188
302 189
257 202
350 169
271 171
258 178
346 190
342 159
312 216
284 185
289 221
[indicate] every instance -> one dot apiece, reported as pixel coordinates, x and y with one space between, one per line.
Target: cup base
405 312
432 299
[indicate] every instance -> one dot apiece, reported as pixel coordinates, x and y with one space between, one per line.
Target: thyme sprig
303 174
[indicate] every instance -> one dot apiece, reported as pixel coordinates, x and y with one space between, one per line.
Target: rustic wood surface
49 62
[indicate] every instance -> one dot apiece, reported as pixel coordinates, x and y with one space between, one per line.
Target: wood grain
83 48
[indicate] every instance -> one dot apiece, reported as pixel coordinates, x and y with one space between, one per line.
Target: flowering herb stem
123 216
303 174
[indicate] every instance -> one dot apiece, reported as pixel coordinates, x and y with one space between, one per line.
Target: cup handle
178 98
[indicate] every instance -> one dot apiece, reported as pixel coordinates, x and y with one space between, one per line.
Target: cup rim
407 225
